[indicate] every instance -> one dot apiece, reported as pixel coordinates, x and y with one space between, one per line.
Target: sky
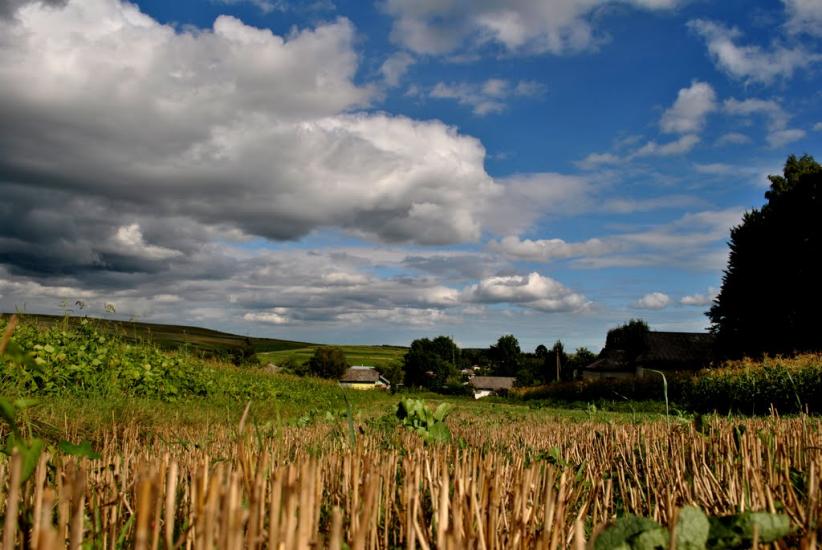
354 171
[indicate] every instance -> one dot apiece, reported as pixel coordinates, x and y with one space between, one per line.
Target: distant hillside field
373 356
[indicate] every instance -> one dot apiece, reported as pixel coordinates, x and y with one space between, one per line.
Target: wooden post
558 369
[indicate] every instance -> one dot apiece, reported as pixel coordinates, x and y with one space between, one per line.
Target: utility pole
557 352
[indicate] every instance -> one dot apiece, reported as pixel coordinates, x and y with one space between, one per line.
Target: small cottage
484 386
364 378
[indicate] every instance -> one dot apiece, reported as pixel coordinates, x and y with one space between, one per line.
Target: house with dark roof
484 386
665 351
364 378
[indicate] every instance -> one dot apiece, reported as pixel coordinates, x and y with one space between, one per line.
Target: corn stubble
495 488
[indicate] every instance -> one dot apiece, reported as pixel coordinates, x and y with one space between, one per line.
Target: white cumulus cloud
750 63
699 299
653 300
689 111
532 291
129 240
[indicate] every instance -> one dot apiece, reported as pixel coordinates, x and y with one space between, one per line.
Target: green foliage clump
392 372
328 362
694 531
506 355
439 357
629 337
29 448
83 360
429 425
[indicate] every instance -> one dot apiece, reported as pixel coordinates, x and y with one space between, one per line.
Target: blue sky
374 172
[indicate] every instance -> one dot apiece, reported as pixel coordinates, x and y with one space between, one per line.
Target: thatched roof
691 348
610 361
675 350
360 375
493 383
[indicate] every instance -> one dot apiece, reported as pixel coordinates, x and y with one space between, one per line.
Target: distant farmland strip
374 356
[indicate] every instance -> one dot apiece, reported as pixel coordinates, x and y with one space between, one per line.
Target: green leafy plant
694 531
29 448
81 450
428 424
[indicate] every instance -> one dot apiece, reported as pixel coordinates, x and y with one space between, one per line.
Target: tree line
440 364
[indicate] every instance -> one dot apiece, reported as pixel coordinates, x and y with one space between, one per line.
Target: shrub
328 362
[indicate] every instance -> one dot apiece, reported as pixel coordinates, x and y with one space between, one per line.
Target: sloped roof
361 375
679 347
610 361
492 382
691 349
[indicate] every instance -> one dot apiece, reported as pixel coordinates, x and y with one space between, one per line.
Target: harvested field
497 485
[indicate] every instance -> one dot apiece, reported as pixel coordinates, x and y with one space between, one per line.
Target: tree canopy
327 362
506 355
629 337
770 298
437 356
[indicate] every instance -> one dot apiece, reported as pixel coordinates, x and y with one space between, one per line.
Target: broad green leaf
655 539
692 529
622 531
29 452
442 411
439 432
772 527
23 404
82 450
31 455
737 531
9 413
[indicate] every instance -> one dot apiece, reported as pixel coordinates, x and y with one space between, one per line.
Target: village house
484 386
364 378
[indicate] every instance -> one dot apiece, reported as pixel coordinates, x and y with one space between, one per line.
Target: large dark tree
771 296
629 337
327 362
436 356
505 355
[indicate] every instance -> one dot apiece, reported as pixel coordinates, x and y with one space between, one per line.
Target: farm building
484 386
364 378
667 351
